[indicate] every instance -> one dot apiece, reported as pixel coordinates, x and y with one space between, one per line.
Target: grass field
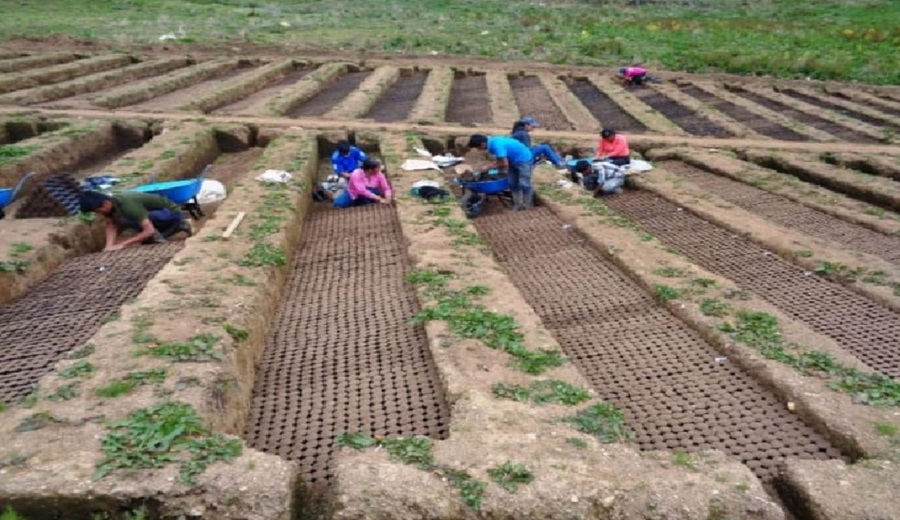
826 39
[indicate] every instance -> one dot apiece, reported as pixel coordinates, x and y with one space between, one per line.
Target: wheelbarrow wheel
2 214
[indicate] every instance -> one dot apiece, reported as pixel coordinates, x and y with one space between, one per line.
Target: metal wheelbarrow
483 188
7 195
183 192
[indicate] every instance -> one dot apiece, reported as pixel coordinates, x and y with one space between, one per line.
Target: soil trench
469 100
689 120
269 92
176 98
604 109
886 109
341 355
808 119
863 327
757 123
331 95
819 102
396 104
67 308
791 214
534 101
230 166
676 391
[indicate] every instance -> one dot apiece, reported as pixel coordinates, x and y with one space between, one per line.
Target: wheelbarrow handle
21 183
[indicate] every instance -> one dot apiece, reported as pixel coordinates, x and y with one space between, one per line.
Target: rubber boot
527 199
517 200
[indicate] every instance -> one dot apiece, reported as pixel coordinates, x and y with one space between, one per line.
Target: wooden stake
234 224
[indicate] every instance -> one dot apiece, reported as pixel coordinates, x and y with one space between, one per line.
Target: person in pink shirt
633 75
365 186
613 148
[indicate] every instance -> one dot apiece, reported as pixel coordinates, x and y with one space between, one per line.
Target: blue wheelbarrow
183 192
476 192
7 195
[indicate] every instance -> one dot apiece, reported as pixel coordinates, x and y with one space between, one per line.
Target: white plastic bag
275 176
418 164
211 191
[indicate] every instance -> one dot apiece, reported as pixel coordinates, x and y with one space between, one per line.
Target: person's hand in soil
113 247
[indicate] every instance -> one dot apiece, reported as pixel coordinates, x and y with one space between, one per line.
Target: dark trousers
164 220
621 160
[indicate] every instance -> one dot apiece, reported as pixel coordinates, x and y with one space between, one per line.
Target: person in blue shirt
346 158
516 159
344 161
521 131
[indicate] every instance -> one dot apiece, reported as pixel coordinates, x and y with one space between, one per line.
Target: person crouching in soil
613 147
516 159
633 76
153 217
366 185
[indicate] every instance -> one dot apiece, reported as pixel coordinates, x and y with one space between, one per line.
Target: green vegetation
760 331
665 293
269 218
11 153
238 334
65 392
262 254
837 271
79 369
509 476
671 272
886 429
11 266
132 380
417 451
604 421
3 406
713 307
470 320
20 248
830 39
198 348
581 444
803 253
680 458
10 514
543 392
163 434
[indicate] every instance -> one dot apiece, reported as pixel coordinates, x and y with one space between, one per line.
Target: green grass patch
829 39
682 459
65 392
10 514
509 476
886 429
20 248
671 272
713 307
12 266
263 254
577 442
546 391
666 293
132 380
761 331
80 369
238 334
803 253
604 421
418 451
198 348
470 320
162 434
11 152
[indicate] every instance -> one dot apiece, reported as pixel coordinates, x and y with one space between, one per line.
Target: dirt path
603 108
468 100
692 122
268 92
756 122
534 101
331 95
186 95
397 103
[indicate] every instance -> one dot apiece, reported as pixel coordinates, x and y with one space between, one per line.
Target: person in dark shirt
153 217
521 131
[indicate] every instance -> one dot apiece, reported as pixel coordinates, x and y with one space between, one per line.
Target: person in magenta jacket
366 185
633 75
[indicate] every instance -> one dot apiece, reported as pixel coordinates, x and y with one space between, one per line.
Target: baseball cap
529 121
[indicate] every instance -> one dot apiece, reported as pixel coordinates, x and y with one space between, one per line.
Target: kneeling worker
153 217
516 159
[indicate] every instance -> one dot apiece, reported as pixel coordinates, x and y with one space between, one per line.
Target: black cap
477 140
371 163
89 201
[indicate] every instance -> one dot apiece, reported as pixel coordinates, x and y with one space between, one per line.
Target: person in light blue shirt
516 159
522 132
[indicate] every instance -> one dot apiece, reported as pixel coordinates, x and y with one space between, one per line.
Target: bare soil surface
602 107
330 95
756 122
468 100
231 166
186 95
268 92
819 102
397 103
803 117
534 101
690 121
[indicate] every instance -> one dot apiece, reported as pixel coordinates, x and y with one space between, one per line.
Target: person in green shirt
153 217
